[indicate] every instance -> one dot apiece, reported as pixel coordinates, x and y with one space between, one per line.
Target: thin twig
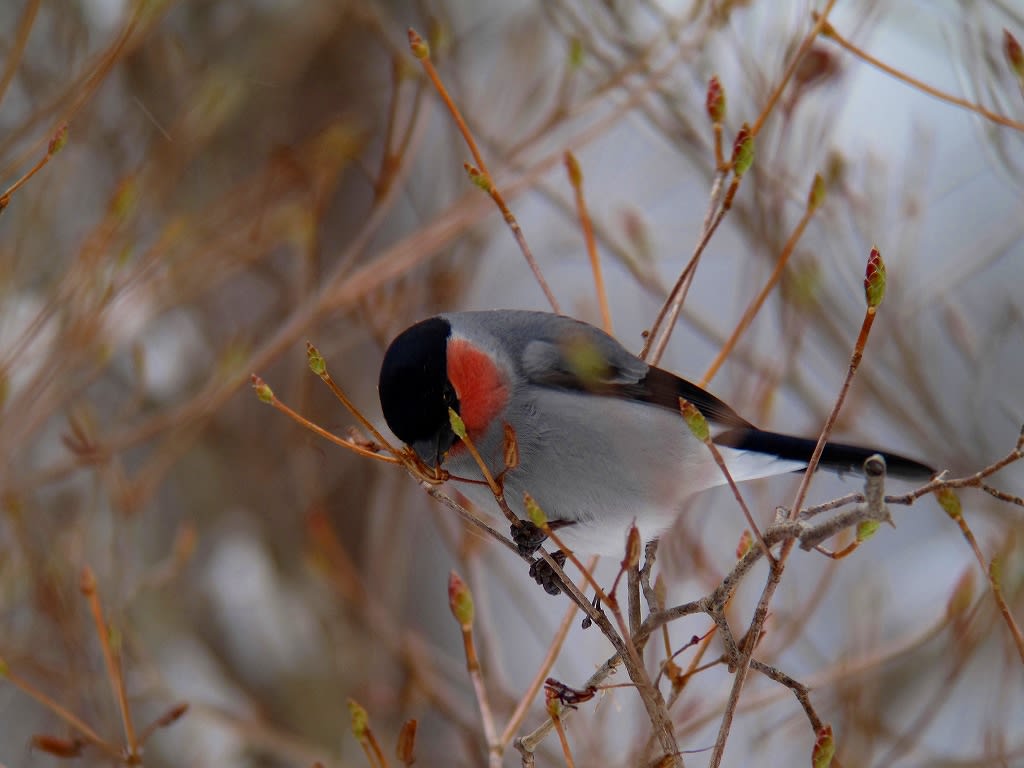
460 601
554 711
826 430
829 32
820 21
72 720
112 660
268 396
17 49
699 426
814 202
319 366
479 174
874 291
576 179
628 652
950 503
523 706
56 144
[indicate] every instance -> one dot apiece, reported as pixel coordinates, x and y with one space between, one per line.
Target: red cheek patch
481 389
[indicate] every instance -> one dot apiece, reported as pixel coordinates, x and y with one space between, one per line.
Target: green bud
745 544
458 425
950 503
460 600
715 102
480 179
995 572
585 360
533 511
817 194
1014 54
60 138
824 748
360 719
962 597
263 392
317 364
743 151
576 51
572 167
418 45
874 279
866 530
695 420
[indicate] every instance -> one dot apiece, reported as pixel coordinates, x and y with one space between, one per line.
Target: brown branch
830 33
112 660
479 174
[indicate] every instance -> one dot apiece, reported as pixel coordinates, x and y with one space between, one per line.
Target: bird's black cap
414 390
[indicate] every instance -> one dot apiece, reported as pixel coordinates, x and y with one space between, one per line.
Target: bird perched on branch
601 442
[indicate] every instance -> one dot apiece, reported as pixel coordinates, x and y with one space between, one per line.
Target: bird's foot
527 537
587 621
545 576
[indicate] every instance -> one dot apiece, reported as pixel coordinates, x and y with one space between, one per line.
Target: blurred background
240 177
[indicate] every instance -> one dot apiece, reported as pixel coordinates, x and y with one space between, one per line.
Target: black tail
838 457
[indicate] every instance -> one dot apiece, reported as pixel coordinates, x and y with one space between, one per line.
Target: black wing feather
662 388
839 457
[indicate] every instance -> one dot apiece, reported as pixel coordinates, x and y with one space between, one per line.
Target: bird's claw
543 574
527 537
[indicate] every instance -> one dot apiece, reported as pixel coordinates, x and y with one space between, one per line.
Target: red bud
715 100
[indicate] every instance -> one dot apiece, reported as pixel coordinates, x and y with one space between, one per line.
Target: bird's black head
414 390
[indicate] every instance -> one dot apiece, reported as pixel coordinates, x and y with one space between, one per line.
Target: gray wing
572 355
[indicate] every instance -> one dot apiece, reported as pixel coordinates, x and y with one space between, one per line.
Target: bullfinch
601 441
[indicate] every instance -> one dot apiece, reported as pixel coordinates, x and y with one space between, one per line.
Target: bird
601 443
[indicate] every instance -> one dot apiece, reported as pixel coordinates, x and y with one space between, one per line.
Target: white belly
602 464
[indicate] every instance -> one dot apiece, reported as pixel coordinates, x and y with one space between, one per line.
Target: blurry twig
621 640
131 752
554 709
460 602
554 648
168 718
742 157
72 720
422 663
393 153
405 749
698 426
814 200
113 663
874 291
479 174
360 724
950 503
78 92
55 145
266 394
17 50
576 180
820 22
830 33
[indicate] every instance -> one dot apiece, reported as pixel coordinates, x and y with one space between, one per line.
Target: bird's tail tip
838 457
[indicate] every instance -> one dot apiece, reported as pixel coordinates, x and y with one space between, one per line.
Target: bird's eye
449 394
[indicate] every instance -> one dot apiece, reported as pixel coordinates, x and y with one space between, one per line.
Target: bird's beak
433 450
428 453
